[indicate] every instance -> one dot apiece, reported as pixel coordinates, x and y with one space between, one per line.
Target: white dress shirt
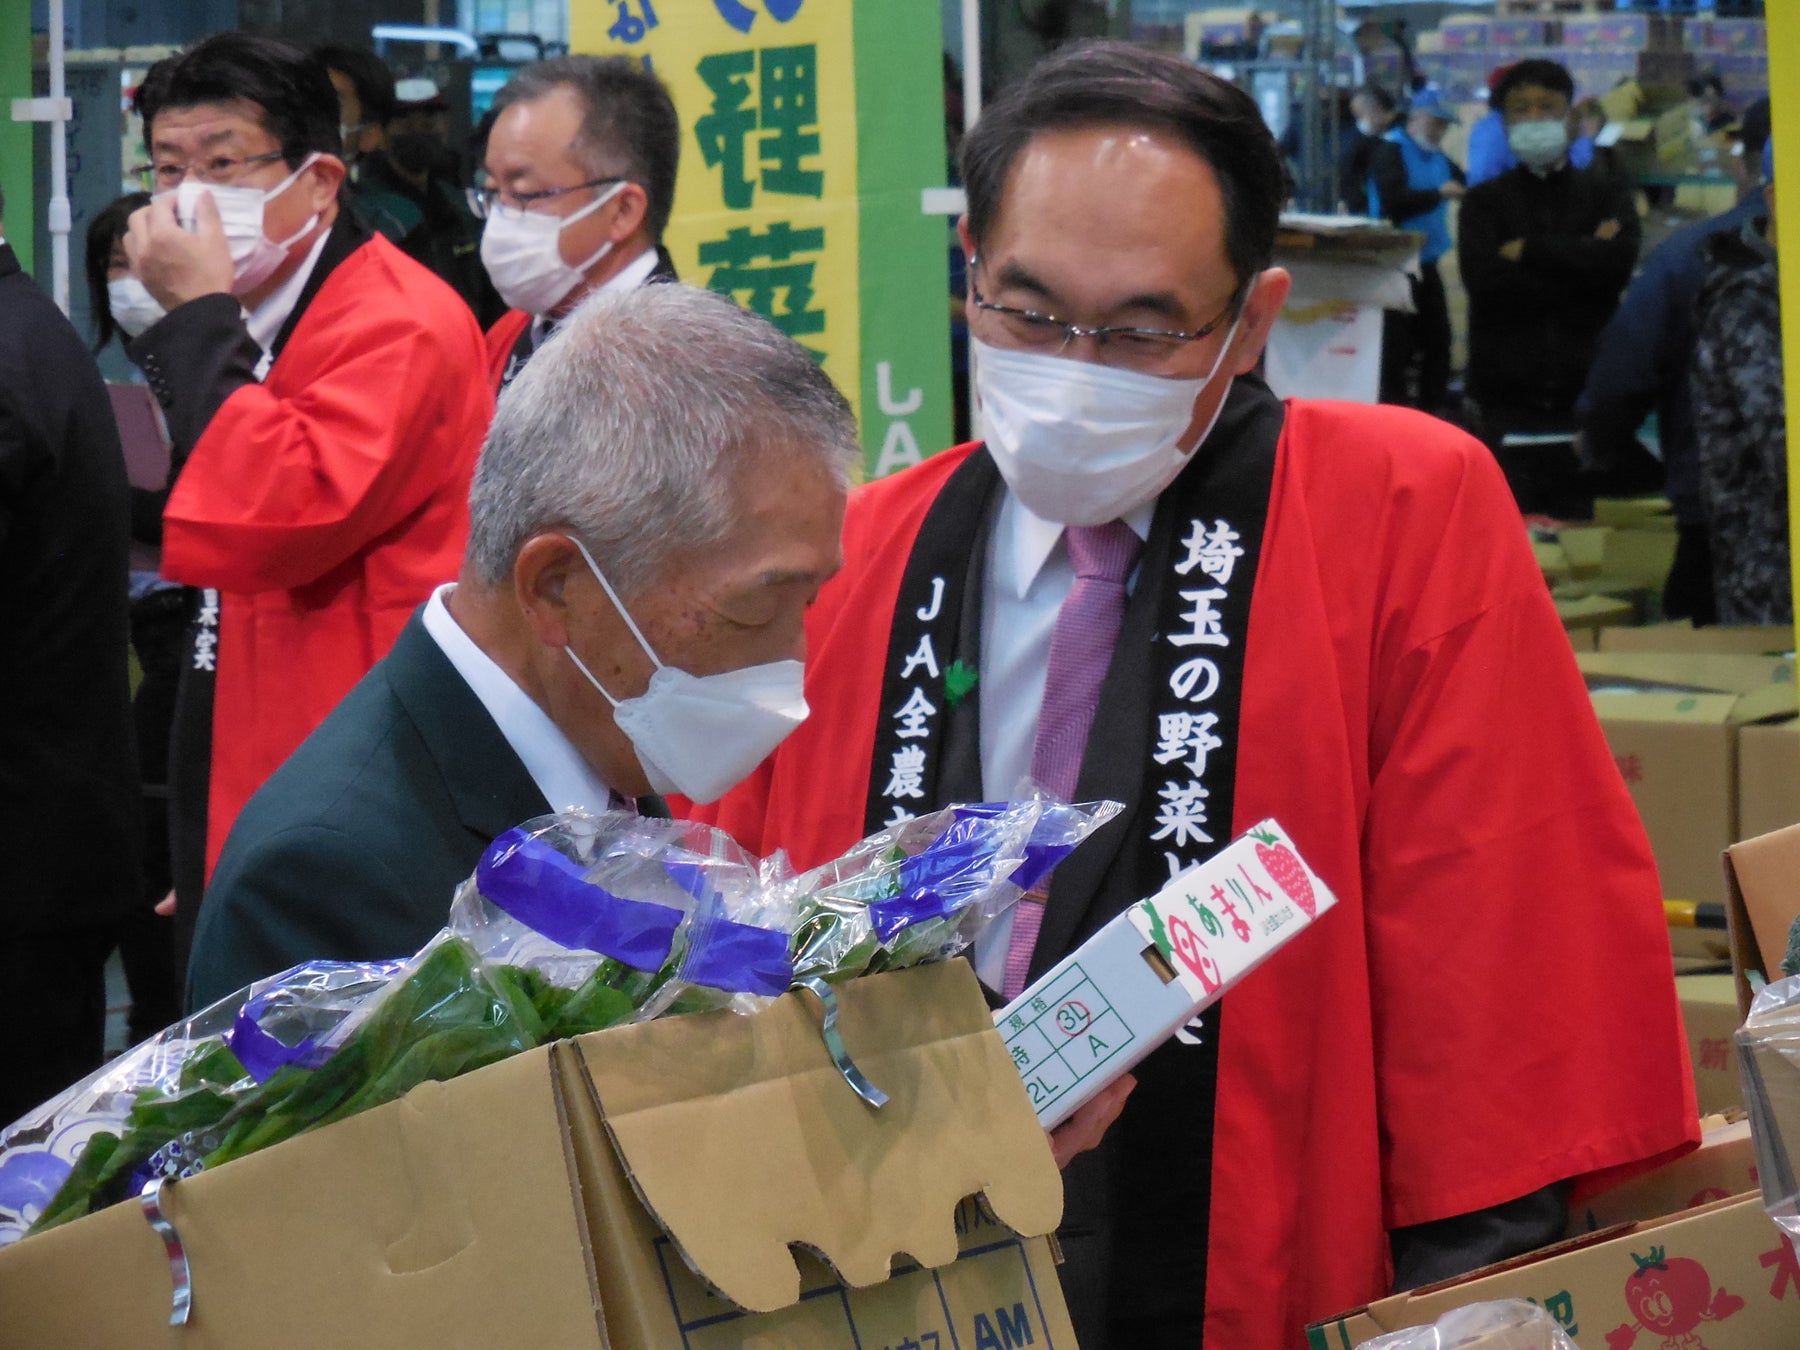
1028 576
266 320
628 278
556 766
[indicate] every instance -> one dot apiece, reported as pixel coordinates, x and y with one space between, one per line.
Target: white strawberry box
1139 980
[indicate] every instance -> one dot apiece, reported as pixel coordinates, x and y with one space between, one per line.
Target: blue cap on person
1430 100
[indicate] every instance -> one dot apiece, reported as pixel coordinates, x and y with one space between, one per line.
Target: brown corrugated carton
567 1197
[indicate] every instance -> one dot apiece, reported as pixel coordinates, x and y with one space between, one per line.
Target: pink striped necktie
1081 648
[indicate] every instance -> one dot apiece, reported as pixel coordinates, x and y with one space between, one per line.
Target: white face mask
1366 125
522 251
133 308
254 257
1538 145
1082 444
702 735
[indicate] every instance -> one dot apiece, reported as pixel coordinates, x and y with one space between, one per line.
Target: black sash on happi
1164 741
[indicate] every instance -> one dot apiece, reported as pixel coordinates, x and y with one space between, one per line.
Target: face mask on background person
1080 443
702 735
133 308
254 256
1366 125
523 255
417 152
1538 145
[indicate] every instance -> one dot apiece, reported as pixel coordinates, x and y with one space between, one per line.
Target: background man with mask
68 778
365 90
658 501
1545 251
576 192
416 180
1155 582
322 396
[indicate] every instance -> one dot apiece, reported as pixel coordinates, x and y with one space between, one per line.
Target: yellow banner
766 198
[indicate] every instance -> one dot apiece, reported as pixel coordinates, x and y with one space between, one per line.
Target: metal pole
59 165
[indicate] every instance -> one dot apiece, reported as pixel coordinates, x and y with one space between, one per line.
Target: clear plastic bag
572 923
1505 1324
1768 1051
168 1094
924 889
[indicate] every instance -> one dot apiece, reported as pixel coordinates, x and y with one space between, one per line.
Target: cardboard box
1102 1008
1723 1166
1714 641
1723 1277
1592 613
1634 512
1709 1011
1762 901
1737 35
1463 33
557 1199
1671 720
1642 554
1606 30
1768 777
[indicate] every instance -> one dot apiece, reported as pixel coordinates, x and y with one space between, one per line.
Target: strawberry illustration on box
1145 975
1671 1297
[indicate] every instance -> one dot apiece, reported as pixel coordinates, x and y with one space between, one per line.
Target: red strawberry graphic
1284 865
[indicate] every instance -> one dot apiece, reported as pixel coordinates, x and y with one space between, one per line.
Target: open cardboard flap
1763 877
740 1137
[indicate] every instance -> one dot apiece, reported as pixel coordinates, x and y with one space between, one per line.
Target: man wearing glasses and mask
1157 582
320 395
575 194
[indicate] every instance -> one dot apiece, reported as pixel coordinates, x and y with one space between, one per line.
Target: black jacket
1534 324
354 848
69 795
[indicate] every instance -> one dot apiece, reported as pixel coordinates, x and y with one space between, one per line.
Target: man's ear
1260 312
634 209
324 177
540 577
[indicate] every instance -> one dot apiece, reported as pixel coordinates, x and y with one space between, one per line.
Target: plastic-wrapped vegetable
572 923
1511 1323
923 889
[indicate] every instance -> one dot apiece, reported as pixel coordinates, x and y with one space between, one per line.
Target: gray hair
628 124
629 426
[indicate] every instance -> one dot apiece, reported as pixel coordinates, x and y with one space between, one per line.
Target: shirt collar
266 320
628 278
1033 539
555 765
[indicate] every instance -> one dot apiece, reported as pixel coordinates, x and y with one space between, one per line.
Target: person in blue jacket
1641 367
1412 183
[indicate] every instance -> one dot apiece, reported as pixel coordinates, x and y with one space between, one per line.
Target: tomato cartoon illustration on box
1671 1297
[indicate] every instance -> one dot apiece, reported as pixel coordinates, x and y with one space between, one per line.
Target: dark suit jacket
354 848
69 796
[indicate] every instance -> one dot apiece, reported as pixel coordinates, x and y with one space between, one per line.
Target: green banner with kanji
809 130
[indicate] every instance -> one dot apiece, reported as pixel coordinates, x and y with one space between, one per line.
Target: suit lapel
483 775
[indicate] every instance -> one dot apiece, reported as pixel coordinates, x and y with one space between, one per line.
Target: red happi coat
325 504
1491 1007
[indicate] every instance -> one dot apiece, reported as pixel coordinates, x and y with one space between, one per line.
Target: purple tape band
542 889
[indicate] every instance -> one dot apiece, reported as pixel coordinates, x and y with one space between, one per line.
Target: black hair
1703 84
368 75
1112 83
629 127
299 105
103 231
1539 74
1379 97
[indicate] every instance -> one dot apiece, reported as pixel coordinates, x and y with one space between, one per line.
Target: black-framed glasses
1131 348
219 170
490 200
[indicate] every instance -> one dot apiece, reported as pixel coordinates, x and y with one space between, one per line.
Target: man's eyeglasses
489 200
1129 348
219 171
